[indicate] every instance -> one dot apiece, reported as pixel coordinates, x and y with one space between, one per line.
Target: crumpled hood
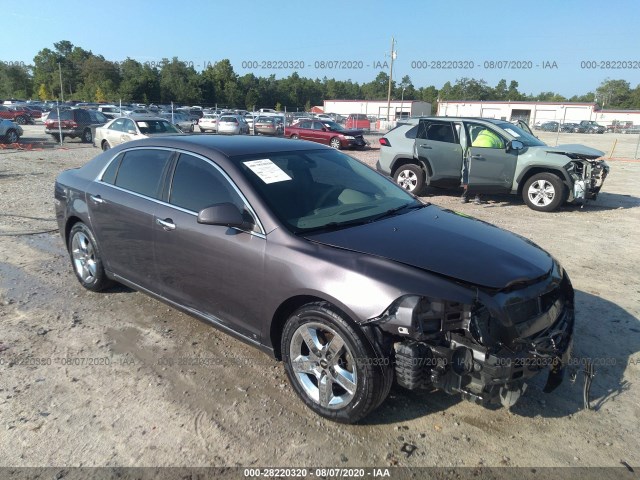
576 150
446 243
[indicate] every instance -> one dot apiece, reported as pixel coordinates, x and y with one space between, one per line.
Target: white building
378 108
531 112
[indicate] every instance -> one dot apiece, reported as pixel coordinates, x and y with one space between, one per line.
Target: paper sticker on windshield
267 171
512 132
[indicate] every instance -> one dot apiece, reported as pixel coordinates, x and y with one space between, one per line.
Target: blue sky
566 32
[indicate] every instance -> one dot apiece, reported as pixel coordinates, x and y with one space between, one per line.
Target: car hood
576 151
352 131
448 244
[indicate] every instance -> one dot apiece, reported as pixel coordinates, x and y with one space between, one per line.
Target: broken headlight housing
422 317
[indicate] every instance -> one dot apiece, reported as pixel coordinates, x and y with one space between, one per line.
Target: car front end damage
486 349
587 176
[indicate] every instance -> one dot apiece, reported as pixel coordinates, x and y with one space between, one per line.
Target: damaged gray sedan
313 257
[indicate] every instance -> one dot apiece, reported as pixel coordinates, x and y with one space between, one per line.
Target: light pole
393 57
402 103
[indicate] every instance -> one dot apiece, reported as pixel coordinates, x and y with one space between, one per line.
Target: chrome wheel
335 143
323 365
84 259
541 193
87 136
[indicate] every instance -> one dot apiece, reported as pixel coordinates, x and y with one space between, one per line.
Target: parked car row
585 126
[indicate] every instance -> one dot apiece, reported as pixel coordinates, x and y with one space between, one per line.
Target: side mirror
131 132
515 145
325 129
225 214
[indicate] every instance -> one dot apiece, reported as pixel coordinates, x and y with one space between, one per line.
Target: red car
329 133
358 120
16 114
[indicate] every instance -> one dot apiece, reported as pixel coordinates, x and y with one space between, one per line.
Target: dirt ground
119 379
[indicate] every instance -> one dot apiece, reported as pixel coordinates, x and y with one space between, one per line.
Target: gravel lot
84 379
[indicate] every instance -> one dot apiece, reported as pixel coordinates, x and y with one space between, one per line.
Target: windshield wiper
391 212
333 226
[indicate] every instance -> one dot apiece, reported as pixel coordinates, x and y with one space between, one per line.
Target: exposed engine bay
486 350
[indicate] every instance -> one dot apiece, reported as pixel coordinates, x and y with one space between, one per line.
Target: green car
514 161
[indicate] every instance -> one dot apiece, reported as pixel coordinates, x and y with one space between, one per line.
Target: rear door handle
96 198
167 224
426 146
477 157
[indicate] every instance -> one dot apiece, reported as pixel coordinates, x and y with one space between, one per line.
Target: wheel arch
405 160
535 169
71 221
286 309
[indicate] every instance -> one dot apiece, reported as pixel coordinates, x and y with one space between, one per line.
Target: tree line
92 78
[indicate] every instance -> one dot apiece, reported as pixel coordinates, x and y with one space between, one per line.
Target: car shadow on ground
605 334
605 201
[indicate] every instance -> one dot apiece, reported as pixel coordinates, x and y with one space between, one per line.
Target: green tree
139 82
179 82
614 94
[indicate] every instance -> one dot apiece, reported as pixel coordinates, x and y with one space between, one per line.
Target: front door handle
96 198
167 224
477 157
426 146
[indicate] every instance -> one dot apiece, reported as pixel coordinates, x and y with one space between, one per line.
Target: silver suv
516 162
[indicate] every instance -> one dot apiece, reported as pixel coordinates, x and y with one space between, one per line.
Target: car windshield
519 134
154 127
333 126
315 190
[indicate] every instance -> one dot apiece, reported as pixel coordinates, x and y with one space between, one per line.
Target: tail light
384 142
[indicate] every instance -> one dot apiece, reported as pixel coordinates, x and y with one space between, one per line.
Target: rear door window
141 171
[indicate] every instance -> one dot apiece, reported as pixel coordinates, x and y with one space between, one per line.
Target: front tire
11 136
410 177
105 146
86 258
543 192
331 364
20 120
335 143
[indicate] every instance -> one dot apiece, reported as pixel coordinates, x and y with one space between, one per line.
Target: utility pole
393 57
61 89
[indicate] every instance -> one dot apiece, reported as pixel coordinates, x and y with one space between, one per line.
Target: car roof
229 146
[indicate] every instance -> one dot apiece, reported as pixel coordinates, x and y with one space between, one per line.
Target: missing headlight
422 317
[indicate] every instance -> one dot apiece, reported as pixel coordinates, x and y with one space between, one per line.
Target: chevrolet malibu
323 263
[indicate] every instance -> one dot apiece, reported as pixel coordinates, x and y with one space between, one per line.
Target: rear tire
332 365
294 137
87 136
410 177
86 258
544 192
20 120
105 146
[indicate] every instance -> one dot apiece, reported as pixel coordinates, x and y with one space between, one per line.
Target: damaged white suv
517 162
